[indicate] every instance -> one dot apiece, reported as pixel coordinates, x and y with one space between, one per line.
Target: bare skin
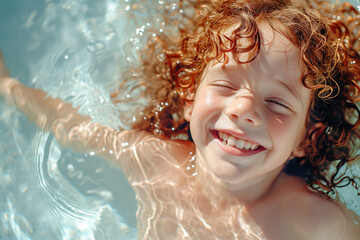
174 204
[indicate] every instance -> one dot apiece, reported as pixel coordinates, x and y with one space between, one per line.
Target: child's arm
70 128
34 103
128 150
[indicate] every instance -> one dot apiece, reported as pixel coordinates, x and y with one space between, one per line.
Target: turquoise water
76 50
73 50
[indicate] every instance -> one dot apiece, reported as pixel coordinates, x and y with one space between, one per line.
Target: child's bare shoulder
314 216
155 155
176 148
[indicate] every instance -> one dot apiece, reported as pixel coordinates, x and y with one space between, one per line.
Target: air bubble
97 46
158 133
161 57
70 167
173 6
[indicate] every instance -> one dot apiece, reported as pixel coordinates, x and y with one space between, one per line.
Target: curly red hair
329 42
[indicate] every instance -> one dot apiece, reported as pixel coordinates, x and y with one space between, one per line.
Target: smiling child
256 84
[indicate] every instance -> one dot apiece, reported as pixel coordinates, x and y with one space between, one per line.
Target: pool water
47 192
76 50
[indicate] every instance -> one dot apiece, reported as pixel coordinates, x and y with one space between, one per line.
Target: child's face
261 105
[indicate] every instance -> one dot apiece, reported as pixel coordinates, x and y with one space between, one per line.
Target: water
74 50
71 49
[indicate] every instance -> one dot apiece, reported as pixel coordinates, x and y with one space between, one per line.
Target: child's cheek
279 123
213 100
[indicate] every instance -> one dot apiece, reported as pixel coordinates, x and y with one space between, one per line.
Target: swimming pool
73 49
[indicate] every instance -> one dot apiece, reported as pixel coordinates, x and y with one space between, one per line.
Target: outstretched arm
44 111
126 149
70 128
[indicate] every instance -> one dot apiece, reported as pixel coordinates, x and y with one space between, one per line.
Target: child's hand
5 80
4 73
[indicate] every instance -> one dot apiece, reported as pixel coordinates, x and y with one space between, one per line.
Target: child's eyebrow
290 89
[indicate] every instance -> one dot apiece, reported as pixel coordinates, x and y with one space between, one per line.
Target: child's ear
188 110
189 102
299 151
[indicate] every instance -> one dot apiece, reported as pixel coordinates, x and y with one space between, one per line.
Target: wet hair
329 41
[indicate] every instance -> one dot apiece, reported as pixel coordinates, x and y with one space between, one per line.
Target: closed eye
279 106
224 85
278 103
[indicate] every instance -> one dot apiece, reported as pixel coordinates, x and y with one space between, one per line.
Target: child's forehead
278 59
274 48
267 36
276 41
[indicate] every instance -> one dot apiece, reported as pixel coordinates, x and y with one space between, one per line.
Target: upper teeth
238 143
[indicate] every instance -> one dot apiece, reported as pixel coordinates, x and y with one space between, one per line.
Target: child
259 84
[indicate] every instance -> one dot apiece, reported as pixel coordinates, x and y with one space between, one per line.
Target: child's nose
243 109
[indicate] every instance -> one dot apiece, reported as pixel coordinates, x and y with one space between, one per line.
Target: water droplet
70 168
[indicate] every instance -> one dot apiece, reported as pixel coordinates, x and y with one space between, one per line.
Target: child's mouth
237 143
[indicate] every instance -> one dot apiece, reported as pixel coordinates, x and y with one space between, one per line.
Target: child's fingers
4 72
